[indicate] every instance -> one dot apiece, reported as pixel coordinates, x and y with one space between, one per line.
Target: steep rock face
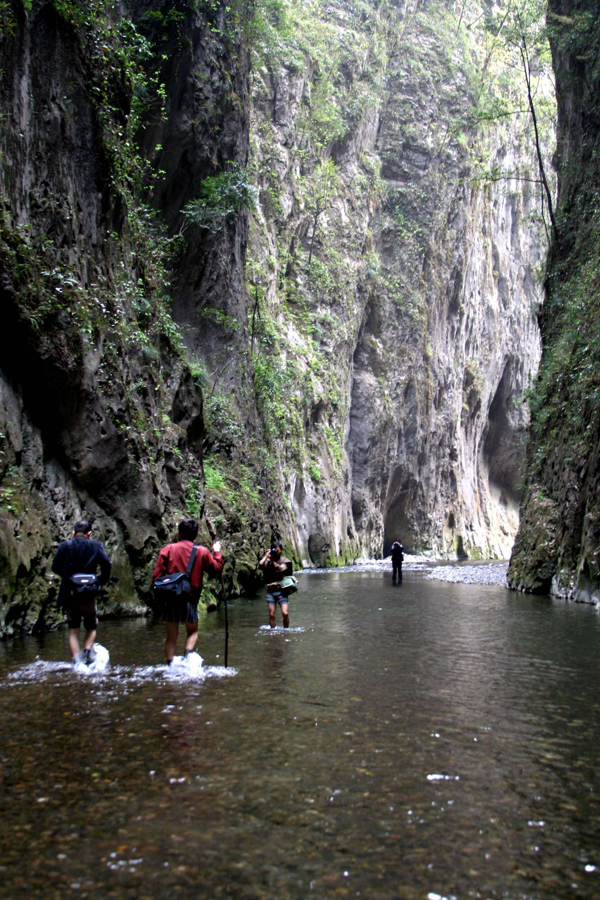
558 544
100 411
413 279
202 129
309 252
457 379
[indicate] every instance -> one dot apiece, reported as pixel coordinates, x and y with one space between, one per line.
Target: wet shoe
86 656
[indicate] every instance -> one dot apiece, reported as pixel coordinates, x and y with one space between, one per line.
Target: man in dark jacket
397 560
276 567
80 555
175 558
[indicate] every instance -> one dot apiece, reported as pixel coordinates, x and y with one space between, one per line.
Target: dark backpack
85 585
178 585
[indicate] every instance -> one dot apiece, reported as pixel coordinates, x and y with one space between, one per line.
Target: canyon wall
272 265
395 251
101 412
558 544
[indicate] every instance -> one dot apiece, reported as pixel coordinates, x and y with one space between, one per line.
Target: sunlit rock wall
464 358
408 329
307 278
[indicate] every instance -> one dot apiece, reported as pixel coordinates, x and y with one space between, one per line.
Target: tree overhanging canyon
281 267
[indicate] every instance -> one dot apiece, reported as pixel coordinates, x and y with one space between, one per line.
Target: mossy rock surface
534 559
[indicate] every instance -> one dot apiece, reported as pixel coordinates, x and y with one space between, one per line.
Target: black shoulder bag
178 585
84 584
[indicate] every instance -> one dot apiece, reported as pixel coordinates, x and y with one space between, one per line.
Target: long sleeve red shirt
175 558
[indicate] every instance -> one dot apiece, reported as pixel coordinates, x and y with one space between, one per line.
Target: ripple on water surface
431 740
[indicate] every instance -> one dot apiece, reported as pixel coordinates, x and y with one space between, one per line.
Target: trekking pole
226 632
213 535
224 595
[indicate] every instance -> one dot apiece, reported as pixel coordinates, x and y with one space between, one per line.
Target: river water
425 741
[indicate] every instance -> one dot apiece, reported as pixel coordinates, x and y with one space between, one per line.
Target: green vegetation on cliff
308 267
559 539
102 412
364 120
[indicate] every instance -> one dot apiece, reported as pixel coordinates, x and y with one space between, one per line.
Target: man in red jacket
175 558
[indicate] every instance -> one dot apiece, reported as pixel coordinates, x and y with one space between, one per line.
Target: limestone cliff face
457 364
406 305
558 544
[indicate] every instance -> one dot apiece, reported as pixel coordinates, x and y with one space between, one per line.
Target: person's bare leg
285 614
192 635
171 641
272 615
74 641
90 637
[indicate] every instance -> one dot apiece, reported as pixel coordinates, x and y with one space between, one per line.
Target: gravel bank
494 573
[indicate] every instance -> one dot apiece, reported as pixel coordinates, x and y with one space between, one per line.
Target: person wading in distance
81 555
275 567
173 609
397 560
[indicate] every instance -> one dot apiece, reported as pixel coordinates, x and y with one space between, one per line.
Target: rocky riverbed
486 573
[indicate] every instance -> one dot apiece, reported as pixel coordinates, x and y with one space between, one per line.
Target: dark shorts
277 597
174 610
77 610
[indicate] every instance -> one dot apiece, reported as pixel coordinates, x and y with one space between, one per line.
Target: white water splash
436 777
190 669
39 671
177 671
190 665
99 661
279 629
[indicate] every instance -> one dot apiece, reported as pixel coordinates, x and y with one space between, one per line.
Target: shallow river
425 741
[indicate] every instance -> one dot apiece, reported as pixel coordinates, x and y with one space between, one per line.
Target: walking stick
226 632
226 619
213 535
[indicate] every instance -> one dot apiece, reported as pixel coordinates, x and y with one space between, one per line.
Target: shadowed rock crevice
503 445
